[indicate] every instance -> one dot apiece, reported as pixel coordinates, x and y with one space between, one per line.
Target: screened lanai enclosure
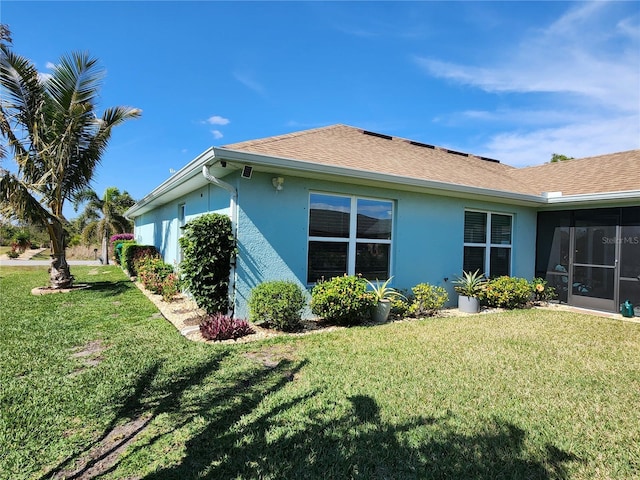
592 256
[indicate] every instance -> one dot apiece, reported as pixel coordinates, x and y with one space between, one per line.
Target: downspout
233 215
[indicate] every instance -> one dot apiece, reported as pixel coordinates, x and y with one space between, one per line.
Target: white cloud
578 139
217 120
585 71
50 65
217 134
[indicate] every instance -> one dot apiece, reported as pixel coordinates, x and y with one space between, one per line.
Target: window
349 235
182 217
487 243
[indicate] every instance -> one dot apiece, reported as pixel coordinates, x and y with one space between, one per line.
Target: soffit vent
379 135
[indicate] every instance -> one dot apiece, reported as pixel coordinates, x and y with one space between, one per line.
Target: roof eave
360 175
589 199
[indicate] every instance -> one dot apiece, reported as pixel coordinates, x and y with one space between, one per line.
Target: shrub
400 306
542 292
170 287
116 241
342 300
13 253
507 292
21 241
120 236
278 303
427 300
158 277
117 247
222 327
207 246
133 255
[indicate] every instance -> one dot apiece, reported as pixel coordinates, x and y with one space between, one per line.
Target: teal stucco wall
428 231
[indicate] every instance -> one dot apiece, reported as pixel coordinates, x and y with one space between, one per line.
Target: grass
95 383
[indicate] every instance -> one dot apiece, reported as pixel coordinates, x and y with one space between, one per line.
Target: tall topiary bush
207 247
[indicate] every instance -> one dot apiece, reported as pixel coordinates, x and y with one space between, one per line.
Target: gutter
233 215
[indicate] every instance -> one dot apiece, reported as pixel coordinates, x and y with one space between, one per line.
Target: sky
514 81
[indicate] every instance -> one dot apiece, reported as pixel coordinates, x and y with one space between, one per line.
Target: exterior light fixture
277 183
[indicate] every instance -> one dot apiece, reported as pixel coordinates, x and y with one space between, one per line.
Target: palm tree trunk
59 273
105 248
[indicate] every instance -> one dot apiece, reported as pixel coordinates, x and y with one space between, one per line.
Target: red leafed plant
219 326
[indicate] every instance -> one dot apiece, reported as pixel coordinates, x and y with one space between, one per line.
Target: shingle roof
615 172
345 146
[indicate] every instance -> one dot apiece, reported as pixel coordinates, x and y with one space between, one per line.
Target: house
323 202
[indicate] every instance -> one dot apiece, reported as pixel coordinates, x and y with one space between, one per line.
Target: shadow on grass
358 445
239 436
152 395
108 289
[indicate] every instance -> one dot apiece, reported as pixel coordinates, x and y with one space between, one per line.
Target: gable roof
351 154
354 148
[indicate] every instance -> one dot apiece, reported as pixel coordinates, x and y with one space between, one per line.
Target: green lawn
95 383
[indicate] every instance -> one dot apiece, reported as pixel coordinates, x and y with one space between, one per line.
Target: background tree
104 216
558 157
57 139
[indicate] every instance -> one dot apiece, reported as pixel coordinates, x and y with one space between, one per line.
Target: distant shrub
207 246
121 236
278 303
134 254
115 244
13 253
21 241
116 249
427 300
507 292
342 300
222 327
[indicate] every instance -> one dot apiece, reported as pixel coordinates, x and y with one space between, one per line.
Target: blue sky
515 81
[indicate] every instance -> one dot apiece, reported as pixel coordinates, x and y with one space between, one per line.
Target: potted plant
469 287
383 295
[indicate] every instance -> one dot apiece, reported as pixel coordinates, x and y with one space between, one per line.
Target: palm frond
16 201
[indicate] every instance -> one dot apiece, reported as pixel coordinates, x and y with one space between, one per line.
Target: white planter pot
381 311
468 304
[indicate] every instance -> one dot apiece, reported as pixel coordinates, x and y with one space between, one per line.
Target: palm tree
104 216
57 140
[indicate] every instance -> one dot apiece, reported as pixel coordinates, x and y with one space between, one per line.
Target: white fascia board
398 181
595 198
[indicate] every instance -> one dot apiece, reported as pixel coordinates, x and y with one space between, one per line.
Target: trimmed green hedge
207 247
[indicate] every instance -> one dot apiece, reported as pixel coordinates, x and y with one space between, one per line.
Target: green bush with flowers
507 292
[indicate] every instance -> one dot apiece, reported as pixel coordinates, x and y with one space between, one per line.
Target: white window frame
352 240
182 221
487 245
